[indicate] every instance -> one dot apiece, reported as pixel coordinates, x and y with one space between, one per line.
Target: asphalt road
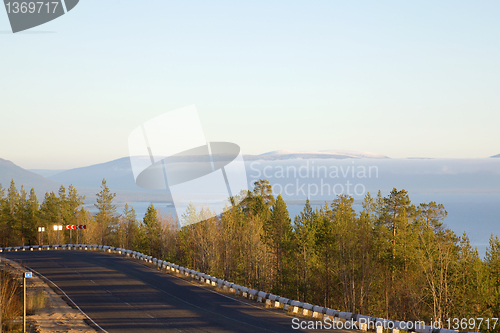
124 295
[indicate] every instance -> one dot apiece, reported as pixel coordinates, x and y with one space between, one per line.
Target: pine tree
190 216
325 241
106 218
394 214
432 215
51 214
11 216
366 251
21 215
438 253
471 277
4 217
492 261
129 226
84 217
263 189
392 229
344 224
278 236
32 218
151 223
304 236
74 202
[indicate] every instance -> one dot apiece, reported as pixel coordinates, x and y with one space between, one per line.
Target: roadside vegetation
12 300
394 259
11 297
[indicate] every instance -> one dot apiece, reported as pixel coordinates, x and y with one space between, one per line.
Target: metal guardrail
292 306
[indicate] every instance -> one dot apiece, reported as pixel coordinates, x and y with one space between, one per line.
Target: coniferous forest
394 259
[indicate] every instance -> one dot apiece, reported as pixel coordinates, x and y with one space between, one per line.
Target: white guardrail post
291 306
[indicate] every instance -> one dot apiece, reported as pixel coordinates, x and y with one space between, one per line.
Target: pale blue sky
398 78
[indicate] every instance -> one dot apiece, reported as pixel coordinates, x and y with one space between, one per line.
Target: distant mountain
86 180
118 175
496 155
119 179
22 177
323 154
46 172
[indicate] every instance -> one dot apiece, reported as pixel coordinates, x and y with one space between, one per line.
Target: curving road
123 295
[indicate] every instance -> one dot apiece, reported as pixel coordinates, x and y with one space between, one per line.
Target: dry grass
11 297
35 301
12 301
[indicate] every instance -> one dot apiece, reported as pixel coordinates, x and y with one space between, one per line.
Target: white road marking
203 309
215 292
69 299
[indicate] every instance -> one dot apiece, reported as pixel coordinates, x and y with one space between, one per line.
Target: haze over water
468 188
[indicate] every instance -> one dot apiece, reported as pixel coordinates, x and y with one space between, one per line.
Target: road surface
124 295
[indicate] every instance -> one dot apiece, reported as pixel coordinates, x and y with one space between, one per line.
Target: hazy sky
398 78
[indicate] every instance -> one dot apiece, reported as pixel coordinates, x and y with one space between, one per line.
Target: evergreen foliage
392 259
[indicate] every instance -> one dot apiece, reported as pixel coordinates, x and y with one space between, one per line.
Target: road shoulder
57 315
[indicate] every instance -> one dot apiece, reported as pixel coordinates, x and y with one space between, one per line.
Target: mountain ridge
331 153
118 175
10 171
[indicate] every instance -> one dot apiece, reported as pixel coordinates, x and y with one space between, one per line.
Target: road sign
26 275
76 226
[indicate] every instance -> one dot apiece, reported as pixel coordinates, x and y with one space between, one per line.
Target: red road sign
76 226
